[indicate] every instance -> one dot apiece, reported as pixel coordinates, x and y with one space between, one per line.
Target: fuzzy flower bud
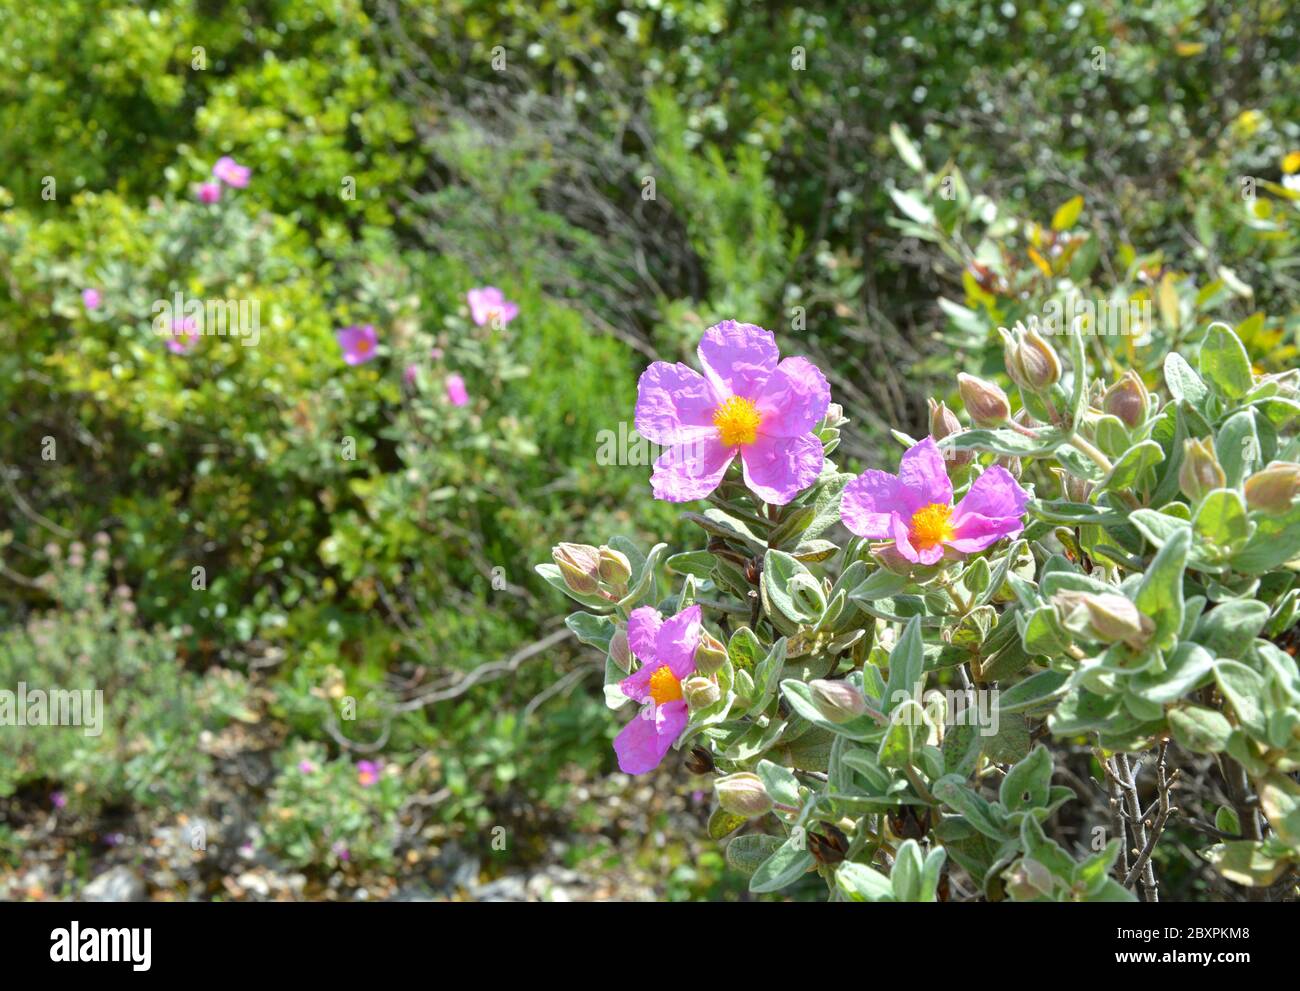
699 760
944 423
700 693
1273 490
619 652
1107 617
743 794
838 701
985 401
1200 472
1031 362
710 653
580 566
1127 399
614 566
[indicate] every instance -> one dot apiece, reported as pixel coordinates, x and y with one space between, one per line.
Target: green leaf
747 853
723 823
1160 596
595 631
904 735
1026 784
787 864
906 665
697 563
779 568
905 878
953 792
1034 692
1183 382
1067 213
907 150
1237 447
861 883
1229 629
1221 519
1184 669
1132 464
1244 689
780 782
912 206
1224 361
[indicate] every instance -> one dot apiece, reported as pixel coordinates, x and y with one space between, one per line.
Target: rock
254 885
506 889
117 884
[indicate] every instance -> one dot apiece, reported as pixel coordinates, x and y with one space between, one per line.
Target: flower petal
996 493
674 404
690 471
794 399
924 474
643 742
636 686
677 640
976 532
903 539
738 358
870 502
778 468
643 627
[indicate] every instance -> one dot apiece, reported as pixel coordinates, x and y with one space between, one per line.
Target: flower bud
580 566
1115 618
1273 490
1200 472
985 401
619 652
1127 399
743 794
710 654
838 701
944 423
700 693
1031 362
807 595
614 566
699 760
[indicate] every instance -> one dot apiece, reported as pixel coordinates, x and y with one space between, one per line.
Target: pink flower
747 402
340 850
91 299
358 344
306 767
914 508
456 394
210 192
367 773
410 373
666 649
489 305
184 335
58 799
231 172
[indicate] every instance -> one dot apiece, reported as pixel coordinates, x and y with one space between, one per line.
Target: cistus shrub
883 671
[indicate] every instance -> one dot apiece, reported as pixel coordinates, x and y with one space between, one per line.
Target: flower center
664 686
931 525
363 346
737 421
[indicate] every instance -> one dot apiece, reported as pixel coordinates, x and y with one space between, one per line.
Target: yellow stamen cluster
737 421
931 526
664 686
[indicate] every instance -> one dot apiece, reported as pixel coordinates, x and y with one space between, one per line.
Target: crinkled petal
778 468
870 502
995 494
794 399
677 640
975 532
690 471
643 627
903 539
738 358
674 404
636 686
643 742
924 475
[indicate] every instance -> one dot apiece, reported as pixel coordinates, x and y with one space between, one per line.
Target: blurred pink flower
210 192
410 373
456 394
340 850
367 773
306 767
358 343
231 172
58 799
488 304
91 298
185 334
